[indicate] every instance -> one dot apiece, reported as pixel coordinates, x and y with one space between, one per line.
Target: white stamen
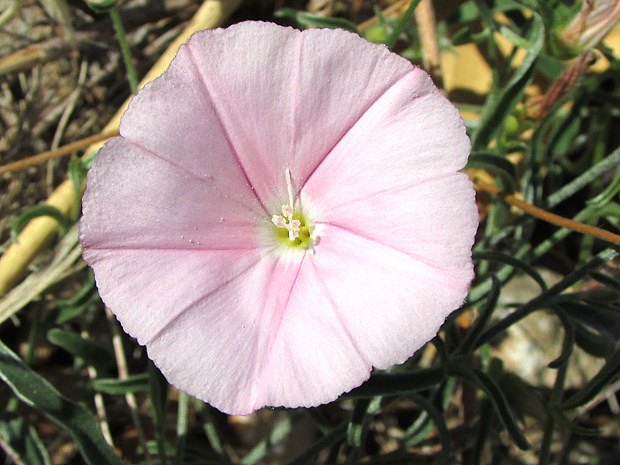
287 222
279 221
288 211
289 186
293 229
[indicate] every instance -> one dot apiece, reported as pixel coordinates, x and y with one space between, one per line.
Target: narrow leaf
136 383
92 354
495 394
34 212
309 20
39 394
498 109
381 384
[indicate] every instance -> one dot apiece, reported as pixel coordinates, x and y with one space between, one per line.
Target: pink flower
282 212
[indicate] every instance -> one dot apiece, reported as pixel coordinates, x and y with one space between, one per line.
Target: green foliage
39 394
456 401
306 20
35 212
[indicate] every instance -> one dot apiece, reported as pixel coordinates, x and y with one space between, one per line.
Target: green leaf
522 396
92 354
159 402
36 211
136 383
327 441
381 384
483 381
23 440
604 320
583 180
73 306
39 394
358 426
77 174
512 261
543 299
569 340
309 20
440 423
498 109
471 339
606 374
101 6
596 344
279 433
400 25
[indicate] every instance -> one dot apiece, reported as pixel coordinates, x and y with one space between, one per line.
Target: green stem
182 423
556 397
125 51
400 26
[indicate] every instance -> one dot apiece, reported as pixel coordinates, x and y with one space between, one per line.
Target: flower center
292 227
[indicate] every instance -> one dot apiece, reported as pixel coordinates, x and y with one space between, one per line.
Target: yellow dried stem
425 19
550 217
39 231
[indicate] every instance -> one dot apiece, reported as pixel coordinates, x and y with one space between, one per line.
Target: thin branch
550 217
64 150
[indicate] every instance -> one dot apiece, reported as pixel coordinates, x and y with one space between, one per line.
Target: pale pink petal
356 304
212 336
313 359
179 215
411 134
219 348
173 117
433 221
389 303
340 77
286 98
137 199
148 289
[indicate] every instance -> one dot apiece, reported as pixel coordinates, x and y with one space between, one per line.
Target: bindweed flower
592 23
282 212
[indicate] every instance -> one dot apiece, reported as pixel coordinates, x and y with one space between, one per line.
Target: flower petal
137 199
178 215
433 221
352 300
145 276
211 337
218 348
173 117
411 134
383 295
287 97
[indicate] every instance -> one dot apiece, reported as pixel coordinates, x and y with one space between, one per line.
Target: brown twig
550 217
64 150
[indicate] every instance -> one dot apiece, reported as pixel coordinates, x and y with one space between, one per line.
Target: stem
556 398
550 217
132 76
64 150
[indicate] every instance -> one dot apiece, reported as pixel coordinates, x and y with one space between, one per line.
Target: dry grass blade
64 150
